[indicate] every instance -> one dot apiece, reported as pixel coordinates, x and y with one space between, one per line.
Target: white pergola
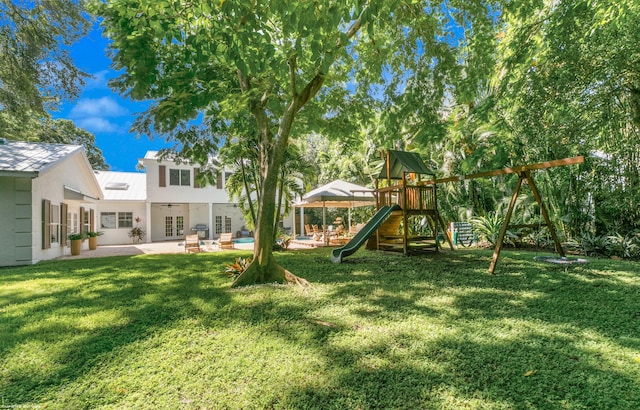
336 194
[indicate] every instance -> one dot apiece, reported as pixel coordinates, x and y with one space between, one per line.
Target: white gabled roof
151 155
31 158
122 186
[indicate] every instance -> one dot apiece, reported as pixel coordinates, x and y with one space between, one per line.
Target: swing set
524 177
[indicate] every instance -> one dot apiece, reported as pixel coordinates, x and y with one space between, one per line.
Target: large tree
207 66
36 70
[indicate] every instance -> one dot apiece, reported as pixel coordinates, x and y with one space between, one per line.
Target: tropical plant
623 246
136 234
236 268
488 228
75 236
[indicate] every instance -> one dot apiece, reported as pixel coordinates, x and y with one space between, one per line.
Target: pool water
243 240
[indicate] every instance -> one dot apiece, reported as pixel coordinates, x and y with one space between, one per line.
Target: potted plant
93 239
76 243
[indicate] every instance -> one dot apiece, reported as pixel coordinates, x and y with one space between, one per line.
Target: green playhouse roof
403 161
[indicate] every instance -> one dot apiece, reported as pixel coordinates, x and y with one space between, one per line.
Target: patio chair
307 230
225 241
191 243
317 235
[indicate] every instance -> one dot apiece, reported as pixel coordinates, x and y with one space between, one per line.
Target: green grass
378 331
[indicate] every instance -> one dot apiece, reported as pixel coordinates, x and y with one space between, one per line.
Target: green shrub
488 228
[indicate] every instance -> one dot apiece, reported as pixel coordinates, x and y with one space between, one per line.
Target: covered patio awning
337 194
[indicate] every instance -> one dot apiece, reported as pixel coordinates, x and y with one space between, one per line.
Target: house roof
29 159
401 162
122 186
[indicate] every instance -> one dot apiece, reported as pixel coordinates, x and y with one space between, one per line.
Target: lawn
376 332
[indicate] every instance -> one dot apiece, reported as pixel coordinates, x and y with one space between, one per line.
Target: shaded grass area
378 331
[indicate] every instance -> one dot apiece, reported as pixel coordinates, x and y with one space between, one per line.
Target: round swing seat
561 260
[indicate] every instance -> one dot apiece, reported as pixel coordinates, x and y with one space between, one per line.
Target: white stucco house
48 191
167 201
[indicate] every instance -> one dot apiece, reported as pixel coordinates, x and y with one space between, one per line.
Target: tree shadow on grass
129 304
545 358
423 332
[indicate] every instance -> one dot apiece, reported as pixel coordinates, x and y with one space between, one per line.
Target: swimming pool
243 240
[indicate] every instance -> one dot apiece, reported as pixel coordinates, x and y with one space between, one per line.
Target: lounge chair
225 241
317 235
307 230
191 244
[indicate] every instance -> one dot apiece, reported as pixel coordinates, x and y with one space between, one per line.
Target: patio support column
325 231
147 221
302 231
210 220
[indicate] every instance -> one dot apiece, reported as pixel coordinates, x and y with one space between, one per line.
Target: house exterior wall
15 219
179 193
73 172
120 235
224 211
197 205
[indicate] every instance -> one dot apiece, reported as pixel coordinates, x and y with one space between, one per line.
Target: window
174 177
72 223
54 228
125 219
107 220
87 220
185 177
180 177
218 224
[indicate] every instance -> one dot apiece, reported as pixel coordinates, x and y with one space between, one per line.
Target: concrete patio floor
166 247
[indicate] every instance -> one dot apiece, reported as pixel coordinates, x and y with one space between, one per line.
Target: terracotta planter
93 243
76 245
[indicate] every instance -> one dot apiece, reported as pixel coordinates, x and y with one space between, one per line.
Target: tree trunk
264 268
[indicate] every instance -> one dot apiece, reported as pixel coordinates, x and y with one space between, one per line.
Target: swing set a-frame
524 176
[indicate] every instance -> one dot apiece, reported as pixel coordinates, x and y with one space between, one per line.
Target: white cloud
97 107
97 80
97 124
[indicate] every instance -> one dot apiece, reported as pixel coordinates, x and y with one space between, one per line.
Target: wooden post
505 225
544 212
444 230
405 218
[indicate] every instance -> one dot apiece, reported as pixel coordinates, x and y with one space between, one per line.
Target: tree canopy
286 67
36 70
470 85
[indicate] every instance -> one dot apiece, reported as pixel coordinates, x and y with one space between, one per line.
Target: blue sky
104 112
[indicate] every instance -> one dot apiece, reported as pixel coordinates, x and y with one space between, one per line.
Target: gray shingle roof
21 157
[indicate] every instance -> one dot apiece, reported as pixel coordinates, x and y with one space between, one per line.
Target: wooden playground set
406 195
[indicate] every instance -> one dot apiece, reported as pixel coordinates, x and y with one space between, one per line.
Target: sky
103 111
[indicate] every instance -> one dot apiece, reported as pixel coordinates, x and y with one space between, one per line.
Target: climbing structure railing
409 197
